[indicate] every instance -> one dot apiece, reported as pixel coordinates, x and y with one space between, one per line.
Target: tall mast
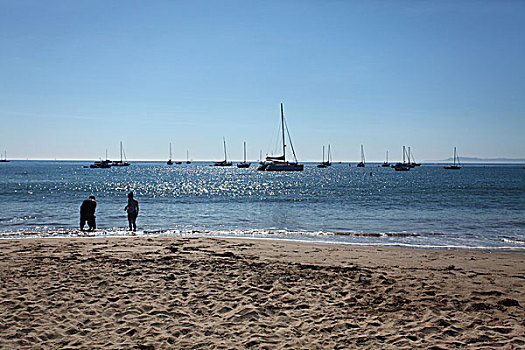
224 141
121 151
170 150
282 127
387 156
403 154
362 155
329 157
454 156
244 151
323 153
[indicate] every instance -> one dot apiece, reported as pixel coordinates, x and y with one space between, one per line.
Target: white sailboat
279 163
456 165
225 161
244 164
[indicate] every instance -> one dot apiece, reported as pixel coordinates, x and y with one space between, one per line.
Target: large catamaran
279 163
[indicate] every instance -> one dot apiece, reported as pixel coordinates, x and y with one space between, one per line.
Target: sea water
479 206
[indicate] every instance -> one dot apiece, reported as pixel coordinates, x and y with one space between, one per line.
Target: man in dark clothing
87 213
133 211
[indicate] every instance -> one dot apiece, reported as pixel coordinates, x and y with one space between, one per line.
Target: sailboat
187 158
120 162
361 164
244 164
279 163
5 160
225 161
386 164
402 166
328 160
456 165
411 161
170 162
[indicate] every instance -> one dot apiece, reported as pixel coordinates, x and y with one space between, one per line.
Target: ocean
477 207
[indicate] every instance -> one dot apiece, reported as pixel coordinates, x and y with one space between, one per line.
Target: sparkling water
475 207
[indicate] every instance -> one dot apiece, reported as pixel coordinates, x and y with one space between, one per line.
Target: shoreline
154 292
274 236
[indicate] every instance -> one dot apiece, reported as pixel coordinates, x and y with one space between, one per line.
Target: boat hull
244 165
278 166
223 163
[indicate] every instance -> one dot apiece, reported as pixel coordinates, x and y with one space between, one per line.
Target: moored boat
121 162
225 161
244 164
279 163
456 165
361 164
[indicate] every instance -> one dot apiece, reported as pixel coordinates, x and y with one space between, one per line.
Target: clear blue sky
77 77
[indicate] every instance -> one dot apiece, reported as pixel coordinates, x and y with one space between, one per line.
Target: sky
77 77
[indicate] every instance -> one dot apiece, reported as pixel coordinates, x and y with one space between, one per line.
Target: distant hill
481 160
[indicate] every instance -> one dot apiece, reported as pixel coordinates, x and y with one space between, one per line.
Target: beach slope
218 293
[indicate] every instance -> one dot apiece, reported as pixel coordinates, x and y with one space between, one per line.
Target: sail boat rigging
170 162
456 165
187 158
411 160
225 161
279 163
5 160
328 159
244 164
121 162
361 164
386 164
402 166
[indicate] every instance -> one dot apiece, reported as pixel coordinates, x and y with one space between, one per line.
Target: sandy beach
218 293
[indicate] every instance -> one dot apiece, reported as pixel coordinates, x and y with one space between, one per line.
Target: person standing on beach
133 211
87 213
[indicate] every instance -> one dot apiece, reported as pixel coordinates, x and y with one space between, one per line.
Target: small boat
225 161
402 166
102 164
244 164
456 165
187 158
4 160
361 164
279 163
386 164
170 162
121 162
328 160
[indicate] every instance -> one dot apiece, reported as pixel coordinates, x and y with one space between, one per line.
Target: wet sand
216 293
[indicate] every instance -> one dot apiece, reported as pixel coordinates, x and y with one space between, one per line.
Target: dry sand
215 293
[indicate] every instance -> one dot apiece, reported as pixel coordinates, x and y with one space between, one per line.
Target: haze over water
476 207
